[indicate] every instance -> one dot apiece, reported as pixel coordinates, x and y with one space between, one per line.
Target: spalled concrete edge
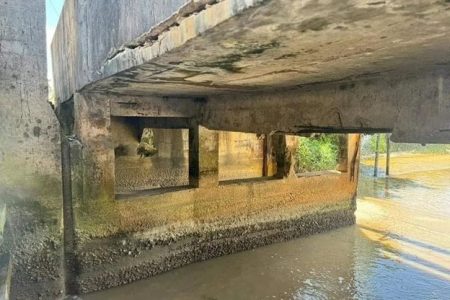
169 37
152 35
190 249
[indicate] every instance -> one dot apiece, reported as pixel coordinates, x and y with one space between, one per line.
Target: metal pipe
377 145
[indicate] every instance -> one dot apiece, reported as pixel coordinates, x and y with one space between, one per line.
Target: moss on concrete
34 205
119 241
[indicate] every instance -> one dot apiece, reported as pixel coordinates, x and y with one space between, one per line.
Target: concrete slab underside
395 53
249 45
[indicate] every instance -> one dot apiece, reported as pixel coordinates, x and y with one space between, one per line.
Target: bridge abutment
125 236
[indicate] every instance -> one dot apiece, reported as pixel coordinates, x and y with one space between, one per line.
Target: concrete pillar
30 161
93 129
284 148
353 154
268 168
343 153
203 157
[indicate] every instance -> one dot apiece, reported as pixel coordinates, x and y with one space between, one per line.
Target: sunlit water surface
399 249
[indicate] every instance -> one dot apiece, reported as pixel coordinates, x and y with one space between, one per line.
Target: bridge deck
237 45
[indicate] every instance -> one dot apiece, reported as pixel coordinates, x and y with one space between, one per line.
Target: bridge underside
292 66
198 77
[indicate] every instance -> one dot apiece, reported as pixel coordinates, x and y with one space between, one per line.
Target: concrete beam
128 106
415 109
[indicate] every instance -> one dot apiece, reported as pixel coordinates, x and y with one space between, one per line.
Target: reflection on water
400 249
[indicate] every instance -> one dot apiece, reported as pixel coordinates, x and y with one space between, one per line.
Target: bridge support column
284 148
203 157
343 153
93 129
353 156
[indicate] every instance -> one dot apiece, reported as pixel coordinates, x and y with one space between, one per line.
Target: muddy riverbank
399 249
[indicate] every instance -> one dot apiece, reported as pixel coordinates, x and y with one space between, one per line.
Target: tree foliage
317 153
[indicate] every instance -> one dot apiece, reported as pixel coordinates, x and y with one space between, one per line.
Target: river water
399 249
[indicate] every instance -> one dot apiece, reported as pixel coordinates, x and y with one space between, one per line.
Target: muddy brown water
399 249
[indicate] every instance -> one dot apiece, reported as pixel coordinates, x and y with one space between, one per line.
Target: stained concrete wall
30 175
240 155
145 236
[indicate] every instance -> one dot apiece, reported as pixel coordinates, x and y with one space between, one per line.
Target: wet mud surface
139 174
104 266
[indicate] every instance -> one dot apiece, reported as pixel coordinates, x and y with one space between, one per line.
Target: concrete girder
155 107
413 109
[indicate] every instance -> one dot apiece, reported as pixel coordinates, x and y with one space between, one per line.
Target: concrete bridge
220 90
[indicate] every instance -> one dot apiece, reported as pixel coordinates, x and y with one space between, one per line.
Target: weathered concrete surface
5 276
241 155
397 49
30 177
270 68
203 157
237 45
168 167
415 109
150 106
121 240
157 233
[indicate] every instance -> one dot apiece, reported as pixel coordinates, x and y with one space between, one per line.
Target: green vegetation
317 153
